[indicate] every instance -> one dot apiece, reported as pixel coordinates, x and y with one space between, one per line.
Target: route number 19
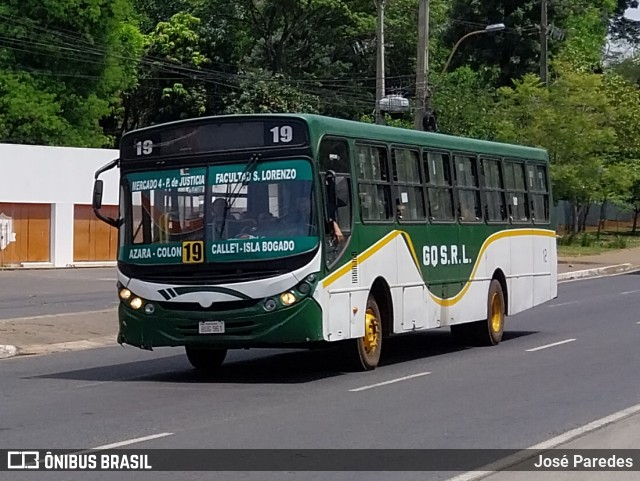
282 135
192 252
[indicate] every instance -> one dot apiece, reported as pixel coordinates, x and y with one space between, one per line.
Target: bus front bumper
298 324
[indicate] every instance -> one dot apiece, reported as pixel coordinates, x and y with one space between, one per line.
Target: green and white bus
302 230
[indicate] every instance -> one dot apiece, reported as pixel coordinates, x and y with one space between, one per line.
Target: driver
300 220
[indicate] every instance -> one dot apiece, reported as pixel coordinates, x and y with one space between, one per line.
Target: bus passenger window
517 201
410 203
466 176
374 189
439 188
494 191
538 192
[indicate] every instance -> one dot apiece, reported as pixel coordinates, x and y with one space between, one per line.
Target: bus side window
517 201
374 188
468 188
538 192
495 208
410 205
439 187
333 155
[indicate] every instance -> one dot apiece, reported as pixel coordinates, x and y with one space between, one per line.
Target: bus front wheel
205 359
489 331
363 354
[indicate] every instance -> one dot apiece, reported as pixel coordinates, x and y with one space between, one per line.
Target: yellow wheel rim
496 313
372 332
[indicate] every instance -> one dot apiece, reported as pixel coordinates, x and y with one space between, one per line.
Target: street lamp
496 27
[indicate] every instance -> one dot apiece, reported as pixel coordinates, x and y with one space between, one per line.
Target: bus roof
321 125
347 128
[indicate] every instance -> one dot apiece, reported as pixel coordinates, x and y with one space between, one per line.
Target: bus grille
213 279
215 307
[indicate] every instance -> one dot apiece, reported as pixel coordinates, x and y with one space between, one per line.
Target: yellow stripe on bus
345 269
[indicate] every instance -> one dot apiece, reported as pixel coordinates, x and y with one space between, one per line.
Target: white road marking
550 345
509 461
108 280
132 441
563 304
629 292
392 381
638 322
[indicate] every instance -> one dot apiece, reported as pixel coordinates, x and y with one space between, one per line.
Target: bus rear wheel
205 359
364 353
489 331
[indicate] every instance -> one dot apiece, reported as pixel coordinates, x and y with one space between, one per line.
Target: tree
172 85
63 66
622 28
465 104
516 51
571 120
261 93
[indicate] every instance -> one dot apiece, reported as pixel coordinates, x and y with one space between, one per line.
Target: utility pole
544 43
422 66
380 88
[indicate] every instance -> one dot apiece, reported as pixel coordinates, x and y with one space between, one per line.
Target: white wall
59 176
50 175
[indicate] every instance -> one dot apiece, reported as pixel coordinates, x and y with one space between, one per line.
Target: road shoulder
56 333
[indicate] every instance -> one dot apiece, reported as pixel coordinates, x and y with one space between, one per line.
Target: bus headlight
136 303
287 298
124 294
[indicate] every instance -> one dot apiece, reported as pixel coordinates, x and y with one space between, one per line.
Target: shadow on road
262 366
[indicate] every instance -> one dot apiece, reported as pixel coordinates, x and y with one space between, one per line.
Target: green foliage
570 120
465 104
69 61
260 93
169 85
586 36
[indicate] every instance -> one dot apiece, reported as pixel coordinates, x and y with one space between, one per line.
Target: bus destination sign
204 137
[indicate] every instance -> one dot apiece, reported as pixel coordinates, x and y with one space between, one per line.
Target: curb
7 350
38 349
600 271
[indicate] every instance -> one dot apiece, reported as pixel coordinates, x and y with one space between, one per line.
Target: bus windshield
219 213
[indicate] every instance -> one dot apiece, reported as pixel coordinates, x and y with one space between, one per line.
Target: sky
633 13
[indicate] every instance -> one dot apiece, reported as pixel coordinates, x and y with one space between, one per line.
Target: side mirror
97 194
98 187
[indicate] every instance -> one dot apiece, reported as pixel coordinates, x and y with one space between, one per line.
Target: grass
587 243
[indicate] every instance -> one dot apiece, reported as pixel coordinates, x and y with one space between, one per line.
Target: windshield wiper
231 197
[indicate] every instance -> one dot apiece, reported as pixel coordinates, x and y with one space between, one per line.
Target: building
46 217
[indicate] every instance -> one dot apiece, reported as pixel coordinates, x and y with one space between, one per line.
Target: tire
489 331
363 354
205 359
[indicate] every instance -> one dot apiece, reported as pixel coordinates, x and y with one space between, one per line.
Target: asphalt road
27 293
511 396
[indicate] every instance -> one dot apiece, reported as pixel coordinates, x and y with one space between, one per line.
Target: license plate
211 327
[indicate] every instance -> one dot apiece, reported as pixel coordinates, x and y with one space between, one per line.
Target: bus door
333 157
